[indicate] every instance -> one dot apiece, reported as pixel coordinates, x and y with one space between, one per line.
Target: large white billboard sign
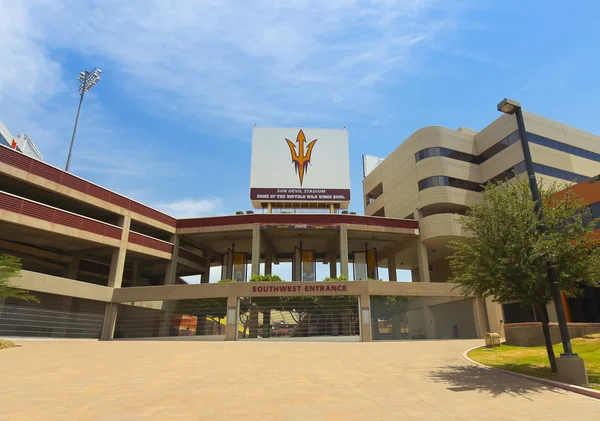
300 165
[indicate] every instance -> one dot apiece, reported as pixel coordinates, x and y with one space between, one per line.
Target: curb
565 386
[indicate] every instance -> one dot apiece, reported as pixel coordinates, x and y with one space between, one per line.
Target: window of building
440 180
448 153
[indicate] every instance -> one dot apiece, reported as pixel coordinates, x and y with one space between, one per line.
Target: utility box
488 340
492 340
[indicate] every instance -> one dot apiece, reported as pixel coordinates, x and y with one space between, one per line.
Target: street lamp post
86 81
510 107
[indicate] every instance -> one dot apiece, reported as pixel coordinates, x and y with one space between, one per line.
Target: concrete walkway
142 380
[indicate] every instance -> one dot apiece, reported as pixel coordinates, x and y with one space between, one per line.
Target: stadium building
105 266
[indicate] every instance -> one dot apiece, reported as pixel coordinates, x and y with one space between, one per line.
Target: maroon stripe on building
298 219
153 243
39 168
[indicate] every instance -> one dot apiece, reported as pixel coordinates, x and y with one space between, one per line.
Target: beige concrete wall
441 225
31 222
34 281
245 289
530 334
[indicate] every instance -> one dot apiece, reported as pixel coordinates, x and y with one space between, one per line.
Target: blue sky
184 82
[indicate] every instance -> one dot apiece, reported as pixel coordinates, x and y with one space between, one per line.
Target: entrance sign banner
299 166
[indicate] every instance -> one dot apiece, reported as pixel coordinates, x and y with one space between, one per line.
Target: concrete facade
433 176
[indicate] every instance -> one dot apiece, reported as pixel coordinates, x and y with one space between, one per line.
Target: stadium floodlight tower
87 80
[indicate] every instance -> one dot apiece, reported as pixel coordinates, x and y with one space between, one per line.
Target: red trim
39 168
153 243
298 219
57 216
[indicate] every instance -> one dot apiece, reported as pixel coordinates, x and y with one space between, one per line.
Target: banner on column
240 262
235 266
365 264
304 266
309 266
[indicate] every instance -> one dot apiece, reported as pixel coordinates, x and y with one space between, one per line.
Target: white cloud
190 208
271 63
250 62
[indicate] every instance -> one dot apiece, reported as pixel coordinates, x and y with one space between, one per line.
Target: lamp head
509 106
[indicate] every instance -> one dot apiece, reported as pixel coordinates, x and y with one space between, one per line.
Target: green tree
10 267
507 256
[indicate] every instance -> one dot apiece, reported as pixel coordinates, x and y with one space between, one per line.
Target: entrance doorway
299 318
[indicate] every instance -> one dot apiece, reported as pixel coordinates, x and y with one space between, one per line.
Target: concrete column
73 268
422 253
365 318
110 319
481 324
429 323
205 276
117 261
495 316
165 326
232 325
256 249
423 262
414 275
171 272
333 268
135 274
269 208
391 260
268 264
344 250
331 208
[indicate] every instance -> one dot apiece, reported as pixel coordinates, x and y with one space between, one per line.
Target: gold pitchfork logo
300 158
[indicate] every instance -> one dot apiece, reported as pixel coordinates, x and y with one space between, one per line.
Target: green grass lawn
534 360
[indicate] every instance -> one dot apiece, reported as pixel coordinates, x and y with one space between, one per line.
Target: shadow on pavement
462 378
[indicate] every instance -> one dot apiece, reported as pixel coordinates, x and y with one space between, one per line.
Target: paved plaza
299 381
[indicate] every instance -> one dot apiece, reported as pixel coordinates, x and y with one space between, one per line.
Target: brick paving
204 381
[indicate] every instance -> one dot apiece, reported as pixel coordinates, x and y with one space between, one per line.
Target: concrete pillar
232 322
110 319
422 253
205 277
135 274
333 268
117 261
344 250
429 323
268 264
481 324
414 275
495 316
423 262
73 268
365 318
165 326
269 208
391 260
256 249
171 272
331 208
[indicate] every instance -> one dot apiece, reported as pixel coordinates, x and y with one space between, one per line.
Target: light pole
508 106
86 81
